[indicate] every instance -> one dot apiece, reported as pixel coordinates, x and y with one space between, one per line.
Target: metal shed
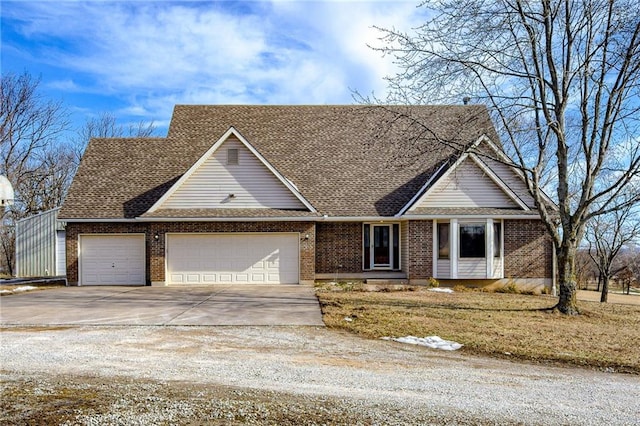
40 245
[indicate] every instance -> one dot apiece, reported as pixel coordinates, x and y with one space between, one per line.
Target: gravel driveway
286 375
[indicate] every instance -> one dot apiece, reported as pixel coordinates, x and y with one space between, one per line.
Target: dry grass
604 336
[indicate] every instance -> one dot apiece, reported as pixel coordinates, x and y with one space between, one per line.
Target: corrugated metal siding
36 245
467 186
251 183
512 180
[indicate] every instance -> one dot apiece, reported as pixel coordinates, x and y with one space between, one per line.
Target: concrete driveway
213 305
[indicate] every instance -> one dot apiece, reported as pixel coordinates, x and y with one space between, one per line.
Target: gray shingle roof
345 160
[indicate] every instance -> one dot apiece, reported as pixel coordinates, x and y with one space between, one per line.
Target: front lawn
604 336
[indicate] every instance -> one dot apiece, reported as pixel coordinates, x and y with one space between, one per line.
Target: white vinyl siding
216 184
115 259
467 186
512 180
497 267
404 246
444 268
472 268
233 258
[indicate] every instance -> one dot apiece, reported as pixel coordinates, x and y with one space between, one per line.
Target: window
232 156
472 241
443 241
497 239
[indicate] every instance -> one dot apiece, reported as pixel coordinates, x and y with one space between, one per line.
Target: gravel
286 375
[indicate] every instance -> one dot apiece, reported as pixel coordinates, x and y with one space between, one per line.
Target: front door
381 246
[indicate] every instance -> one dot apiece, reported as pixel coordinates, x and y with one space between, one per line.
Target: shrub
511 288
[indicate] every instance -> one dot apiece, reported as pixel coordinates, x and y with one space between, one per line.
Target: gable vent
232 156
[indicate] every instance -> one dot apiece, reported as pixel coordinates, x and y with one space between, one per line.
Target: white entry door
269 258
112 259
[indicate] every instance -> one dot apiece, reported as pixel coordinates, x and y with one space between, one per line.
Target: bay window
468 249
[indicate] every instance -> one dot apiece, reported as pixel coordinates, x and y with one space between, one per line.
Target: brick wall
155 250
420 239
528 250
339 243
73 229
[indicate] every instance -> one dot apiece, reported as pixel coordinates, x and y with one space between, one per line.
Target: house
294 194
40 245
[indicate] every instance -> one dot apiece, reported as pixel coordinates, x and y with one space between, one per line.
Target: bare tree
627 264
106 126
607 235
29 127
31 154
586 270
562 79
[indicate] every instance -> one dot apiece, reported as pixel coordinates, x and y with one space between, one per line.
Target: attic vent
232 156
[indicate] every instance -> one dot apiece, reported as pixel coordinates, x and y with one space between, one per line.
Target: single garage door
232 258
112 259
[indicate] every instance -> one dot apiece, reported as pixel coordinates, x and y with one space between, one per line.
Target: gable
467 185
230 176
343 158
512 180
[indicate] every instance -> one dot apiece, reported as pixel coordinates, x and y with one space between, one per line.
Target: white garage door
232 258
112 260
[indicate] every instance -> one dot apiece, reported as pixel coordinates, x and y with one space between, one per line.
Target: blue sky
137 59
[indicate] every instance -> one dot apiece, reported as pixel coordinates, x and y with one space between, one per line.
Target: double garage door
232 258
192 259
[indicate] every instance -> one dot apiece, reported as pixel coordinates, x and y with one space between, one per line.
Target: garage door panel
112 259
232 258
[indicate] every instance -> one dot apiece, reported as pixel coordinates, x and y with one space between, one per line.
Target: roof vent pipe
466 100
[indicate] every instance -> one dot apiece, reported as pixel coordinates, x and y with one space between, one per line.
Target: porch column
453 248
489 247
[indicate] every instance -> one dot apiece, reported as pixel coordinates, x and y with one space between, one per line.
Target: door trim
370 239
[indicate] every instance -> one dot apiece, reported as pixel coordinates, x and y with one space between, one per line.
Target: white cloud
154 54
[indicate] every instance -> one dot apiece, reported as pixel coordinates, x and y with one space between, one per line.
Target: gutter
469 216
324 218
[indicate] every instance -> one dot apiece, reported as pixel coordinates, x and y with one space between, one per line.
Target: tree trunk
567 303
605 289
